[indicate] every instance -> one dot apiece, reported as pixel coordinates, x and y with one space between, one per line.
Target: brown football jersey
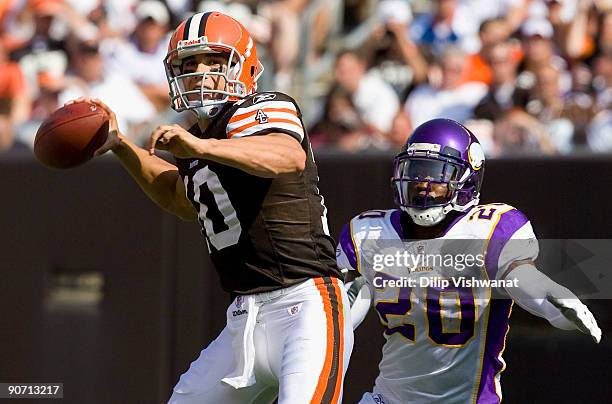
262 233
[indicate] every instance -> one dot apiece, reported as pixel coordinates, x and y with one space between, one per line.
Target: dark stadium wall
128 338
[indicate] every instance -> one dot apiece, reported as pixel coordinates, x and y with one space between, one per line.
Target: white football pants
292 343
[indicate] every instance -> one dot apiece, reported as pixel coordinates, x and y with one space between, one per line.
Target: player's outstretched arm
159 179
541 296
267 156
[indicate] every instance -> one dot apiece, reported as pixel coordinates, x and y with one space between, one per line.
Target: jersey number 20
402 307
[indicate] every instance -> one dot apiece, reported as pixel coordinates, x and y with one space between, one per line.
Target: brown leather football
70 135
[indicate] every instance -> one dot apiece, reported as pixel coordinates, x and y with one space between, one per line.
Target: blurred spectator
549 104
374 99
141 57
14 99
561 14
538 46
356 12
447 24
284 17
42 53
179 8
599 132
491 33
6 7
259 27
581 31
393 56
513 12
580 101
540 51
553 92
120 16
518 133
602 81
341 126
6 134
88 78
14 93
604 42
97 13
275 26
400 130
484 131
451 98
323 25
505 91
85 7
44 105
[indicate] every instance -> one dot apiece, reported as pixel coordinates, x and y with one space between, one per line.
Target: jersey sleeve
266 113
346 256
511 240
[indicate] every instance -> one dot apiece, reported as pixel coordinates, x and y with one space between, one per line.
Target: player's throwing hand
114 135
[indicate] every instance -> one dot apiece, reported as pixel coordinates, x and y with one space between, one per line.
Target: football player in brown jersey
246 172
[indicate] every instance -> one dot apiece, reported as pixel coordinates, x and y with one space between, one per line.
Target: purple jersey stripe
497 328
346 243
508 224
396 223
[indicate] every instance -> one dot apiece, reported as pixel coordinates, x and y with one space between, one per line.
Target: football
70 135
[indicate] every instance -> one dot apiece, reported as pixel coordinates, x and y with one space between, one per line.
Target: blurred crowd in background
527 76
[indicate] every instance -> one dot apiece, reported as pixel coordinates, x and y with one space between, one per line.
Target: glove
360 299
577 313
354 287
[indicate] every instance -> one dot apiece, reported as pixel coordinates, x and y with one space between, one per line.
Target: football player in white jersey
444 340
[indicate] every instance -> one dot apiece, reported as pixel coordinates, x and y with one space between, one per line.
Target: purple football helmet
439 169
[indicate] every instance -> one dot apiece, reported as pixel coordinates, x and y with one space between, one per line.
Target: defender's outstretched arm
541 296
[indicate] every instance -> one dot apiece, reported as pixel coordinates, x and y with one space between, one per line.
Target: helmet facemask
428 185
205 102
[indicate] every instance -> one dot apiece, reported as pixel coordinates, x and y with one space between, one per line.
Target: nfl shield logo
239 302
293 310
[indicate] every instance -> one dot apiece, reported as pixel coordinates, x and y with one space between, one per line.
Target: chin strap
432 216
207 112
428 217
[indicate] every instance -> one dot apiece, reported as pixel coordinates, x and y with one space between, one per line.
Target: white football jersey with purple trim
443 345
